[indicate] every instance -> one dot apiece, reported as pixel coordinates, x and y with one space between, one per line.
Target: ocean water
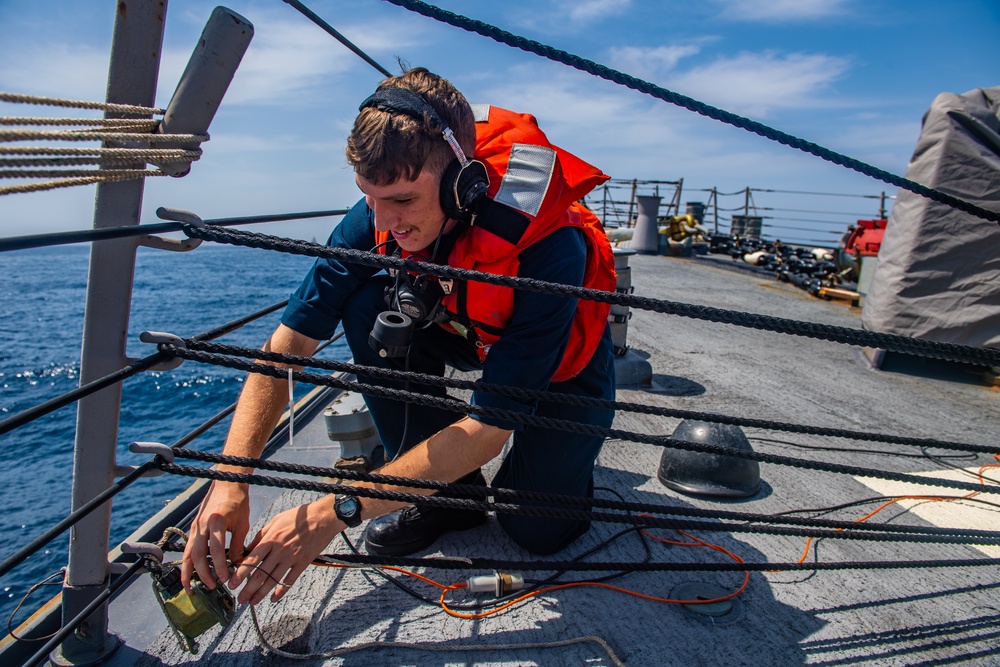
42 294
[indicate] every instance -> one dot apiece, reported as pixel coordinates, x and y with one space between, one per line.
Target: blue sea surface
42 295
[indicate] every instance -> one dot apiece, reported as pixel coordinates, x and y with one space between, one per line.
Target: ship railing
617 212
139 365
615 202
151 229
180 513
804 229
146 363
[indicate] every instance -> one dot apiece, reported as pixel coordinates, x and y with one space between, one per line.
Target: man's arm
289 543
226 508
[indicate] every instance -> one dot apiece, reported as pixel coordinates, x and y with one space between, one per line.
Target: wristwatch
348 510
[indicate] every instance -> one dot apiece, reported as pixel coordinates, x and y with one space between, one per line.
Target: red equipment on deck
866 239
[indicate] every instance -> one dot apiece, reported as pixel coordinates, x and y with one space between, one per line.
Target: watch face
348 510
349 507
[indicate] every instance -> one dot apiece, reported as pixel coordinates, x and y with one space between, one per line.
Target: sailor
512 210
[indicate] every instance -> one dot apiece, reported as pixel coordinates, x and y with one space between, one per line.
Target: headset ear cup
462 187
449 204
473 182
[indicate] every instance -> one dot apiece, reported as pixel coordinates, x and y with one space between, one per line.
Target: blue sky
855 76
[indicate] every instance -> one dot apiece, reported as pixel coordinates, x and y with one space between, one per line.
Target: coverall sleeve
315 308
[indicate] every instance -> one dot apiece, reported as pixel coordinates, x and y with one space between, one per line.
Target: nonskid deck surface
850 617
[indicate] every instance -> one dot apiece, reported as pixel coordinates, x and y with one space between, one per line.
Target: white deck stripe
952 513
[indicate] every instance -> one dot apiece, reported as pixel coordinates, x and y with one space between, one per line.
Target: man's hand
226 509
283 549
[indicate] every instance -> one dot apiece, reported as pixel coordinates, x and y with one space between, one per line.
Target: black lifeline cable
892 342
451 563
604 72
73 518
562 424
456 490
105 233
42 409
562 512
577 400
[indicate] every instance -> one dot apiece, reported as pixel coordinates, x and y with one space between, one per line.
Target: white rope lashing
78 104
120 159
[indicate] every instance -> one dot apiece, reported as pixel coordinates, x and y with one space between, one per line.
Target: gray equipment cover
938 273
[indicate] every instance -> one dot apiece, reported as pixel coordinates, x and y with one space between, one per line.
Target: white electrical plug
498 583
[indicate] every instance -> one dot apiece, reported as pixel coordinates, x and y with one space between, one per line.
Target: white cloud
71 71
651 62
780 11
587 11
884 143
880 133
562 15
626 134
757 83
289 63
295 64
629 135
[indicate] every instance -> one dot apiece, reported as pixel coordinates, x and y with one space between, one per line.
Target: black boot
414 528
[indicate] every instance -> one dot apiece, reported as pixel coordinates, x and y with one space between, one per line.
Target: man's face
409 210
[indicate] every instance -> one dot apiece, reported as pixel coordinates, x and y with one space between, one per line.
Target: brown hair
384 147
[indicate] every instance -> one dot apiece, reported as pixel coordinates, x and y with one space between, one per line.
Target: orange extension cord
696 542
805 553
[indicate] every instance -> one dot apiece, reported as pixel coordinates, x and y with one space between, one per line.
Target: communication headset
415 300
464 183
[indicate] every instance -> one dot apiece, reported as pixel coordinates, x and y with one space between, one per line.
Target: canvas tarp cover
938 273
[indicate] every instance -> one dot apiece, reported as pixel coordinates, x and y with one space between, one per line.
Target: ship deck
943 616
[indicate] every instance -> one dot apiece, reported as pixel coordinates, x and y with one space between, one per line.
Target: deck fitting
715 613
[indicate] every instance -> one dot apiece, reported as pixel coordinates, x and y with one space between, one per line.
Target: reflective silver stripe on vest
529 171
481 112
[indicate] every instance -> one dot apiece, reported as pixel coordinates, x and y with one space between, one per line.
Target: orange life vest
543 182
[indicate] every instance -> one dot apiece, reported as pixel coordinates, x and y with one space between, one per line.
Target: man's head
385 147
399 159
